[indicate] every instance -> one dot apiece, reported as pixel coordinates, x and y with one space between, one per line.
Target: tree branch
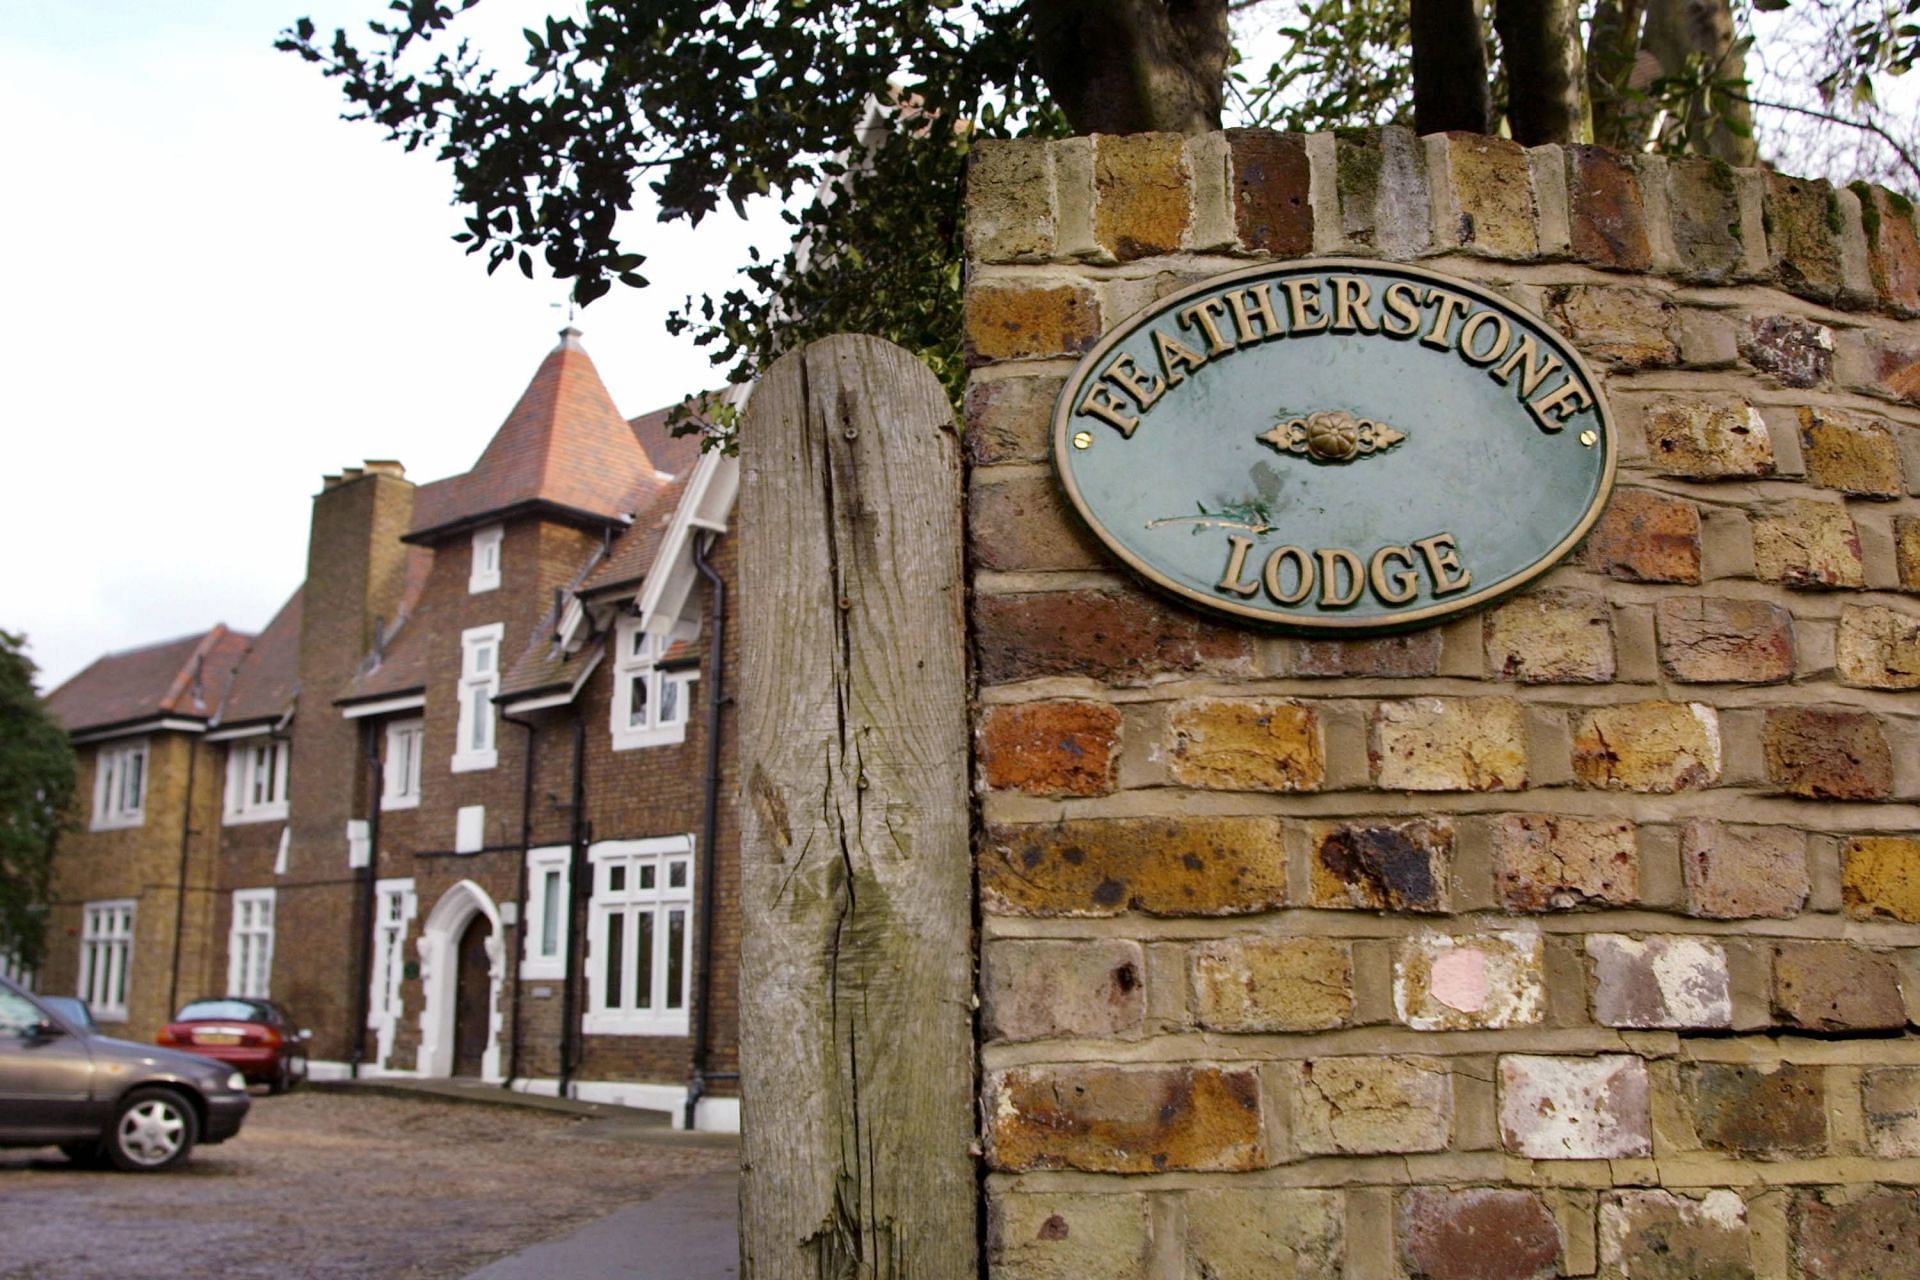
1867 126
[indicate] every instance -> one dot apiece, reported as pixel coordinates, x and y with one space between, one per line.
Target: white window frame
480 652
252 797
400 764
113 807
625 1017
538 959
106 957
485 573
636 657
395 904
250 944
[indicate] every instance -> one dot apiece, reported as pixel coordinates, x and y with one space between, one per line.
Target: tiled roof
264 683
545 666
185 677
670 453
402 665
564 445
634 550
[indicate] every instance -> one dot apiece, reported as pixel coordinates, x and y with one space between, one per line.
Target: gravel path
334 1185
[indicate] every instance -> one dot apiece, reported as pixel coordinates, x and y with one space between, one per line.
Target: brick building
458 804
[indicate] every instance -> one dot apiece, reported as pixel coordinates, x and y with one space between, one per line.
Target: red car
257 1038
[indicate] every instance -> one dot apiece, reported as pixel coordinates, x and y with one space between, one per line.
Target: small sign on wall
1335 446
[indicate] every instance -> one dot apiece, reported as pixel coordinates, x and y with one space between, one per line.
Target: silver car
100 1100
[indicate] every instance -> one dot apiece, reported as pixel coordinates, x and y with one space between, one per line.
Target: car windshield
73 1009
241 1010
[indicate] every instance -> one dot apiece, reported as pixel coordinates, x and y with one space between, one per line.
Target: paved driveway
352 1185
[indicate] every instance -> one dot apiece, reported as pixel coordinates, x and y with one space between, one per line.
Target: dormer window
257 779
650 703
485 575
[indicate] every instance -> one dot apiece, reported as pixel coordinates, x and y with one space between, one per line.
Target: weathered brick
1629 327
1707 640
1575 1108
1657 1235
1771 1111
1262 1234
1547 863
1808 544
1142 193
1647 746
1705 208
1707 437
1739 872
1893 249
1552 637
1822 754
1372 1106
1043 1235
1880 876
1606 216
1890 1097
1246 744
1009 201
1050 748
1645 536
1906 544
1044 990
1470 981
1162 866
1024 523
1856 1233
1878 648
1383 866
1850 452
1273 984
1009 419
1119 636
1449 744
1478 1233
1008 321
1836 986
1492 192
1271 204
1415 653
1675 983
1803 234
1797 352
1109 1119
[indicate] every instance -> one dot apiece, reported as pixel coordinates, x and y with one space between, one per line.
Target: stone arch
439 967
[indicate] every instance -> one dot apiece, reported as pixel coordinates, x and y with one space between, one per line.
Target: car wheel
88 1155
154 1129
282 1078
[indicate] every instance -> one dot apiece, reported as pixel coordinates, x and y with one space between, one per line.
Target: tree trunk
856 961
1716 125
1546 89
1133 66
1450 87
1613 43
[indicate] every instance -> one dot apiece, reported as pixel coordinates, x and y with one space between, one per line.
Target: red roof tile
564 444
268 676
186 677
673 454
634 550
402 665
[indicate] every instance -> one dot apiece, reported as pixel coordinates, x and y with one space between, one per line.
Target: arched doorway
462 965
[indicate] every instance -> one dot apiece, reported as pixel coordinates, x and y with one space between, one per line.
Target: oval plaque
1335 445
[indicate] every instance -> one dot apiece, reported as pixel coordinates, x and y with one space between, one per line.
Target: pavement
688 1231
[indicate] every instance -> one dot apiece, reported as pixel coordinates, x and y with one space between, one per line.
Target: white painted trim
465 758
709 499
438 945
711 1115
390 764
383 1008
408 702
470 828
327 1069
160 724
244 731
102 816
236 985
557 699
480 576
534 968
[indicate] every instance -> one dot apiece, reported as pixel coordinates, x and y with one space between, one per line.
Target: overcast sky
216 291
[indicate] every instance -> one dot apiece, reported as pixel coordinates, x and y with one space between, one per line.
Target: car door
46 1075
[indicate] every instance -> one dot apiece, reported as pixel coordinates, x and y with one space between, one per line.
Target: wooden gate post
856 1040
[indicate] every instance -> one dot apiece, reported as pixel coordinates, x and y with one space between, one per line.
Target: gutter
570 1049
180 888
363 989
520 917
698 1076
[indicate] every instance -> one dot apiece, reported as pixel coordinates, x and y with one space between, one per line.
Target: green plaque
1335 446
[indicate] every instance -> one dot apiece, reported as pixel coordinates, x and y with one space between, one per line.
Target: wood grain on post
856 1040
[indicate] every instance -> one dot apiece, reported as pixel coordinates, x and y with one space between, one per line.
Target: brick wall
1577 937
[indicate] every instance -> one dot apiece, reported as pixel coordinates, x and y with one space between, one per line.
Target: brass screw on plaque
1589 438
1083 439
